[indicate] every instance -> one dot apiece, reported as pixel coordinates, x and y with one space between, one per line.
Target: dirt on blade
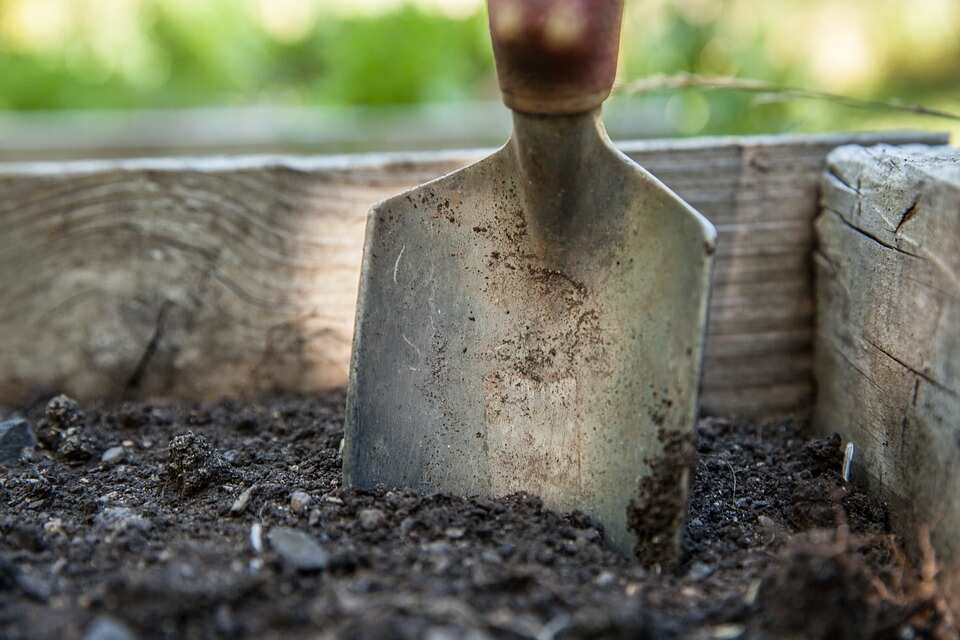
655 515
243 530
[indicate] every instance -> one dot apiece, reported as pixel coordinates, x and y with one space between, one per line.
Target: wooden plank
757 371
888 331
201 278
779 401
770 344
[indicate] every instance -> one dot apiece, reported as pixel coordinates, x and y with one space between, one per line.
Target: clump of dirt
193 465
834 583
62 431
657 511
229 520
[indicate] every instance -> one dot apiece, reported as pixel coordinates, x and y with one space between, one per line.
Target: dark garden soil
228 520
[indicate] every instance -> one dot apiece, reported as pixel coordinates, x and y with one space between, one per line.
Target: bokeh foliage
120 54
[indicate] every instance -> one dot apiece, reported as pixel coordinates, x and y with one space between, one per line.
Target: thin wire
685 81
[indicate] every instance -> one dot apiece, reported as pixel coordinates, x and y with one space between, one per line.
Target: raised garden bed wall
888 331
204 278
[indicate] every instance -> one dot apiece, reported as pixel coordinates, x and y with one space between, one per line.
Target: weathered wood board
888 329
202 278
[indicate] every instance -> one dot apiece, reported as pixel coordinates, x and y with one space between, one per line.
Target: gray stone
491 556
121 518
437 548
113 455
299 500
371 519
34 587
16 435
256 538
106 628
298 550
240 504
605 579
701 571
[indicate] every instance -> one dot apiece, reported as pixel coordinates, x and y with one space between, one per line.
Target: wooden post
888 329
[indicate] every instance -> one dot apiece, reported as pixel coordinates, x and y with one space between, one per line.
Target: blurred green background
365 55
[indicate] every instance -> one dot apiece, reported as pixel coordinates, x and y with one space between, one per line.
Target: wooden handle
555 56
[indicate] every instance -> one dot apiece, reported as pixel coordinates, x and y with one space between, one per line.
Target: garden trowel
535 322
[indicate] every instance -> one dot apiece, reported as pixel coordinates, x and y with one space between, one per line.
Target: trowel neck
554 160
555 139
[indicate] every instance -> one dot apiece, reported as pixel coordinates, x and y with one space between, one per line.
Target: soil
159 520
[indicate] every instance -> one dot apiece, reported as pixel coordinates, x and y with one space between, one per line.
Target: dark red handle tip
555 56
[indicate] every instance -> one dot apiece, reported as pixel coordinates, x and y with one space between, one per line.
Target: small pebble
16 435
106 628
491 557
700 571
34 587
240 504
113 455
299 500
438 548
727 631
225 622
298 550
53 526
121 518
408 525
605 579
371 519
256 538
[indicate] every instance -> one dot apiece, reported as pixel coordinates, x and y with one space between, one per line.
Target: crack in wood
136 378
920 374
872 237
909 214
834 172
837 349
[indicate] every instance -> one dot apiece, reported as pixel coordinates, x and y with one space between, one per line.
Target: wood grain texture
201 278
888 330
